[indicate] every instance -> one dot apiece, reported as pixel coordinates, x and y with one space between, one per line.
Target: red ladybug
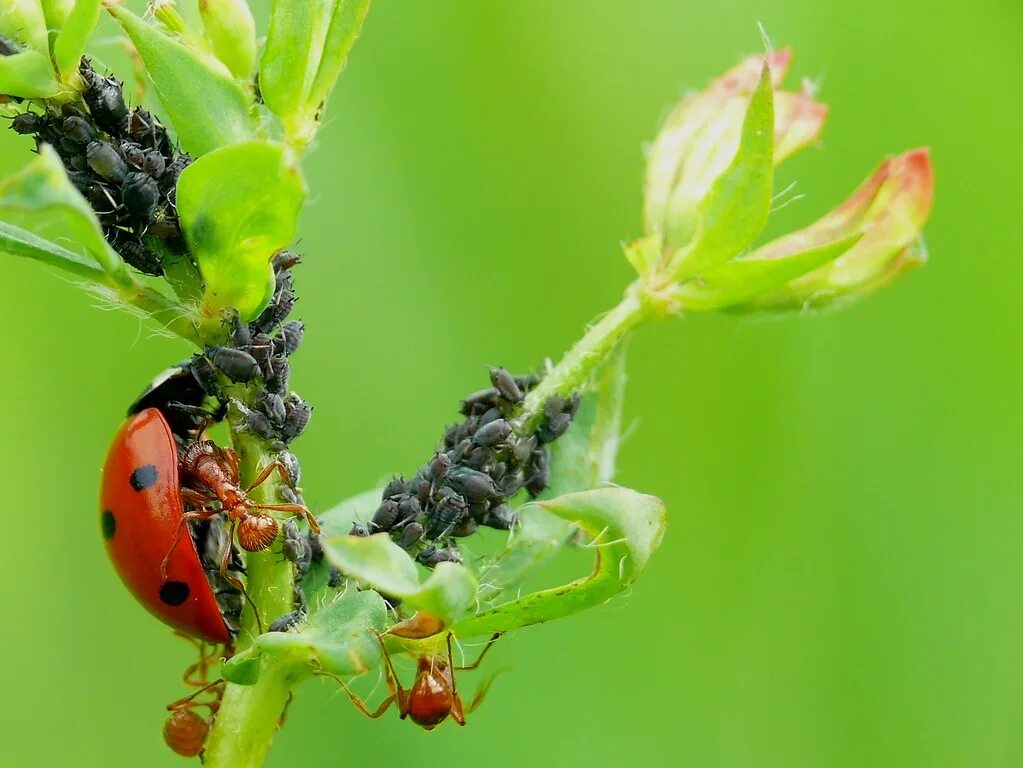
141 515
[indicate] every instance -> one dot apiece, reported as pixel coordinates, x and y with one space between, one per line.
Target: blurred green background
840 584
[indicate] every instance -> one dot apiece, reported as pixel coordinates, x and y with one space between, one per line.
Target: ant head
432 696
256 532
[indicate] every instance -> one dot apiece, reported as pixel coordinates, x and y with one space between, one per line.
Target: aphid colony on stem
486 459
175 514
123 163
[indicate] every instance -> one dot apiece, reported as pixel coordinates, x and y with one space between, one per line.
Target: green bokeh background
840 584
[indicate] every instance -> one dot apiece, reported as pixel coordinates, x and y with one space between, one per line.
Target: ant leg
189 702
359 703
296 509
269 469
234 581
479 659
393 682
482 692
231 458
203 514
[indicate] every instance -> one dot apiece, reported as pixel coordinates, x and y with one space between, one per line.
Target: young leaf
624 528
338 638
208 107
20 242
294 43
73 35
56 12
345 25
231 32
735 210
238 206
40 199
27 74
741 280
447 592
24 22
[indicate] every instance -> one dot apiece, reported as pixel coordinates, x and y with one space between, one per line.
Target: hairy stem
636 306
249 714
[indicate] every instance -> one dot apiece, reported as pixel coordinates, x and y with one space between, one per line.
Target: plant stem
636 306
249 714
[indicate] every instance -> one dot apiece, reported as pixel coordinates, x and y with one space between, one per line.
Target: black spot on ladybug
143 477
108 524
174 592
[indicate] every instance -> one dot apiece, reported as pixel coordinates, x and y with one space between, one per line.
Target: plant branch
637 305
249 715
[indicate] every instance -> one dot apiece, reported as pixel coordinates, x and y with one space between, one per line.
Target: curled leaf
623 527
40 199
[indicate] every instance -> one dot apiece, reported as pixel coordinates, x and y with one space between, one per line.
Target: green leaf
27 74
345 26
73 36
231 31
41 199
742 280
238 206
582 459
736 209
19 242
24 22
375 560
645 255
294 43
208 107
624 528
338 520
338 638
56 12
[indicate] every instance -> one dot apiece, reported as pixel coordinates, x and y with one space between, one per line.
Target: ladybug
141 516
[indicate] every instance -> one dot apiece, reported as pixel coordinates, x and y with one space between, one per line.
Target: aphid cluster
123 162
486 459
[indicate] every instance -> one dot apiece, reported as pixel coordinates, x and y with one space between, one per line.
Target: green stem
249 714
168 313
590 351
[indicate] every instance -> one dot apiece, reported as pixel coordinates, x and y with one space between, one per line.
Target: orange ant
433 695
185 730
210 476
